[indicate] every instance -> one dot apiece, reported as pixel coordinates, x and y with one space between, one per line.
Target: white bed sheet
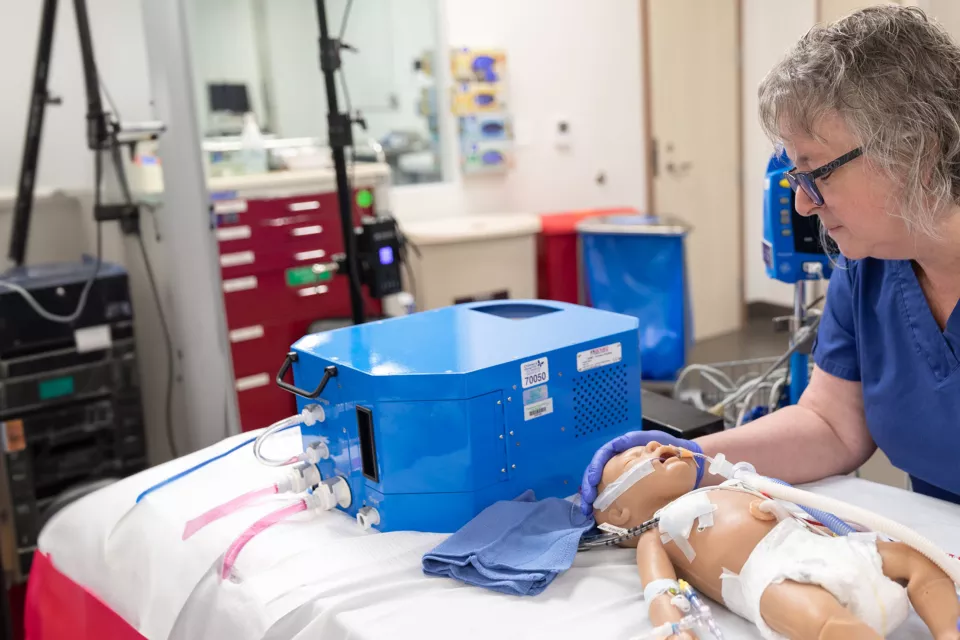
323 577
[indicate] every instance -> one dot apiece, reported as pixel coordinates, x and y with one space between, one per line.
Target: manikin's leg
810 612
931 592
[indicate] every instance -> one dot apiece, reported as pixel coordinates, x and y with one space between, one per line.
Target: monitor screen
806 230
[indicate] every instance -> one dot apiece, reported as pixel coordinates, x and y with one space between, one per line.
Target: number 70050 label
534 372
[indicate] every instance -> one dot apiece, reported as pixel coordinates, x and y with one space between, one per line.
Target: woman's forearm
793 444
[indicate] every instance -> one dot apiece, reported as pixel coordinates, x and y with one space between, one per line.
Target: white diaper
849 567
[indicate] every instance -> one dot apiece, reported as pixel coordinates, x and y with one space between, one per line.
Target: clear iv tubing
211 516
830 521
259 526
276 427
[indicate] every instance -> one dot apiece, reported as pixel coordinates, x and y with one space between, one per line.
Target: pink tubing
226 509
260 525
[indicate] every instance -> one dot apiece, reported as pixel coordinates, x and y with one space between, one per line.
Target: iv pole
339 130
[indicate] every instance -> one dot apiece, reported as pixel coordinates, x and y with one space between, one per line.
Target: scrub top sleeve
835 349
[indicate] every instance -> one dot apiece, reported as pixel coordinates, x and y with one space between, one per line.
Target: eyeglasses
806 179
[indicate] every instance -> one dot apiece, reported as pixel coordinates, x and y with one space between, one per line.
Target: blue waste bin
635 265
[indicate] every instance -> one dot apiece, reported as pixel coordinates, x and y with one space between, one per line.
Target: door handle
679 170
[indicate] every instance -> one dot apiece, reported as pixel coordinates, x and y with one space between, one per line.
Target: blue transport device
792 252
435 416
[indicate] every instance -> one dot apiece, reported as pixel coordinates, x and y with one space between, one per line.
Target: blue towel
513 546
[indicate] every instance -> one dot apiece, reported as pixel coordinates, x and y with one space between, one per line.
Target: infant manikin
790 577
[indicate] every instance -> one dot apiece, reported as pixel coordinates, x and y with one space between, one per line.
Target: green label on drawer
364 199
56 388
300 276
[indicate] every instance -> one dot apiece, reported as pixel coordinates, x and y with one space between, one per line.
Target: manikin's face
671 478
857 198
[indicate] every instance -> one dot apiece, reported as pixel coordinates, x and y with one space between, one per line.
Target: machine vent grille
600 400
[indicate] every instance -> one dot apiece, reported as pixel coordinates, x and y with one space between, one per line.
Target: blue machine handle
329 372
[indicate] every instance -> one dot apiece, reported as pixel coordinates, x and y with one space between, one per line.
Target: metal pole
799 362
338 131
31 147
96 118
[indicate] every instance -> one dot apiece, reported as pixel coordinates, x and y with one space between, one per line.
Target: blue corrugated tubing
828 520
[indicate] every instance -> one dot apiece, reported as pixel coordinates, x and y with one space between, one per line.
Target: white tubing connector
368 517
300 478
720 466
315 452
330 493
312 414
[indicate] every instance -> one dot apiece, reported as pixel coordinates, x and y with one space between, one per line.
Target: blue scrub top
877 329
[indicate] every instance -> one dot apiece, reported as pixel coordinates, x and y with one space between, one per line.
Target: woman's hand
594 472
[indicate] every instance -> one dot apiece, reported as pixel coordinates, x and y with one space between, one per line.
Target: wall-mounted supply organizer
480 102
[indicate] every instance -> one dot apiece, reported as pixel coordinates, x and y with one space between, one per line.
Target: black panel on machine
676 418
68 418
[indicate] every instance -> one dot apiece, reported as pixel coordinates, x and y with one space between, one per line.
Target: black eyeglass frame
806 180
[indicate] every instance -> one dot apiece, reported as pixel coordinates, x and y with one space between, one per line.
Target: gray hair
893 76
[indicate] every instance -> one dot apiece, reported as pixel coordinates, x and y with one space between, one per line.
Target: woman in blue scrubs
869 110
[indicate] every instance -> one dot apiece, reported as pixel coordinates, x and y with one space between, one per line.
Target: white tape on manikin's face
619 486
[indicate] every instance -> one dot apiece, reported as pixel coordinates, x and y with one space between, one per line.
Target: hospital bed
322 576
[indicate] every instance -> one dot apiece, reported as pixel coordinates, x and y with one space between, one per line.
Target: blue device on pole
792 250
435 416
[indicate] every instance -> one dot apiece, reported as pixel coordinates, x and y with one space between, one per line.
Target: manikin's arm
653 563
931 592
824 434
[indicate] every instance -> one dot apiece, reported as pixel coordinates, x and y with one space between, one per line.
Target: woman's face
857 198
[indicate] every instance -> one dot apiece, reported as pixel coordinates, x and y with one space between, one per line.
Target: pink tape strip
260 525
226 509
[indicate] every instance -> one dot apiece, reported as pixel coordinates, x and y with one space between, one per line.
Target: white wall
222 37
770 27
118 45
388 36
566 59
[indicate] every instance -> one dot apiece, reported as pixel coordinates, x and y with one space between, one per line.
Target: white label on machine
225 234
230 206
599 357
93 338
534 372
538 409
535 394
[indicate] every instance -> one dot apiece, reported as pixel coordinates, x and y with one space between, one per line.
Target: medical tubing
196 467
230 557
276 427
225 509
187 472
830 521
872 521
717 409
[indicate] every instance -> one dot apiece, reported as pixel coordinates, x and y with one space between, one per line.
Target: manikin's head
672 477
